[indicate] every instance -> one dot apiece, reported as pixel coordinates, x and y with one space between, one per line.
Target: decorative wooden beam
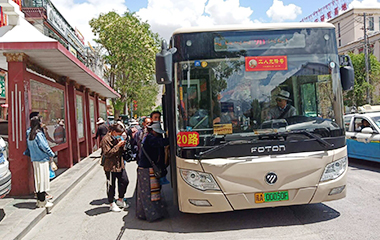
16 57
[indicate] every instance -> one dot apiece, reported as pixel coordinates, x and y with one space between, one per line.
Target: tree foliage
129 51
357 97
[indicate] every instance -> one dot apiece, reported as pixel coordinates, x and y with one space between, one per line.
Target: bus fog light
200 202
337 190
334 169
199 180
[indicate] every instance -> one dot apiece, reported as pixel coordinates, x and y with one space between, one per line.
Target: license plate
271 196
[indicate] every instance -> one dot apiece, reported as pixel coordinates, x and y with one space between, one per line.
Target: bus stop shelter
44 77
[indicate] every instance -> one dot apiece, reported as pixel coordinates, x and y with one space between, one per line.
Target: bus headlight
334 169
199 180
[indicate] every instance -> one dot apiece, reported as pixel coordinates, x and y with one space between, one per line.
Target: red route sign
188 139
266 63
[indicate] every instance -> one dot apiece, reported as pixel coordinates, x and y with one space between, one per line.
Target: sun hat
100 121
133 122
283 95
156 126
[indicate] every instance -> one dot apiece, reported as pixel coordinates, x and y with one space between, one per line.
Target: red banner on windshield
266 63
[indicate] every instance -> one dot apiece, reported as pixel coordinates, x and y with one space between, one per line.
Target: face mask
118 137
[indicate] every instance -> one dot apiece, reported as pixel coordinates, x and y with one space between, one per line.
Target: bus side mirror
347 74
164 62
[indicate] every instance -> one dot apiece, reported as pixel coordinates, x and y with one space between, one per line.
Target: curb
21 221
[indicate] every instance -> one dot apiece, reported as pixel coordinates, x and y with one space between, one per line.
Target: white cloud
279 12
79 14
364 4
165 16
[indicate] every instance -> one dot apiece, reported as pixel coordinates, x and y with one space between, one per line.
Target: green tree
129 51
357 97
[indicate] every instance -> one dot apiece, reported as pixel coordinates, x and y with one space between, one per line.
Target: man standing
283 109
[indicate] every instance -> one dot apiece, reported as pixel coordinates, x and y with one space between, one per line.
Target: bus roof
253 27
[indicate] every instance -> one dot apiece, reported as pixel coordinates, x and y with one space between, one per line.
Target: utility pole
366 58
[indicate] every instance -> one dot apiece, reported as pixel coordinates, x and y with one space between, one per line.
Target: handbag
53 166
157 171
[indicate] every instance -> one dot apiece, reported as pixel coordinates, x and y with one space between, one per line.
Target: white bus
255 115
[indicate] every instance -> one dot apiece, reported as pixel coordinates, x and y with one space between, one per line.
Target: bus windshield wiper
207 152
311 135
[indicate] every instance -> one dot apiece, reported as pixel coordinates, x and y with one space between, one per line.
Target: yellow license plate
271 196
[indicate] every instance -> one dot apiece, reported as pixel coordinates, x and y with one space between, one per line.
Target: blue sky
164 16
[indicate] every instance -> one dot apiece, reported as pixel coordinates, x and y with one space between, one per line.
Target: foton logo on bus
268 149
267 63
187 139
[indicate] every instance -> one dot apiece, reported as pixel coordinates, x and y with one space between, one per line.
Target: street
84 214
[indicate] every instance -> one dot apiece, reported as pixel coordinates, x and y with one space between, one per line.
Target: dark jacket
112 153
154 147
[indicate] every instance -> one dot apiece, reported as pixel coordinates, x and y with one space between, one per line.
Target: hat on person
156 126
134 122
100 121
283 95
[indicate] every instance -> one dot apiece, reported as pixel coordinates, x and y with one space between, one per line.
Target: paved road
83 214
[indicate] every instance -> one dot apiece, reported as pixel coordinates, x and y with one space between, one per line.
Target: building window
49 102
339 29
340 43
92 116
80 117
371 24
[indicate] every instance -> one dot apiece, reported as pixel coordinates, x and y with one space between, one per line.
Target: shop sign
79 35
73 51
56 20
188 139
266 63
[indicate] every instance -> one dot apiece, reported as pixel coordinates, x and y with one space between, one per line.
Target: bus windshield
258 82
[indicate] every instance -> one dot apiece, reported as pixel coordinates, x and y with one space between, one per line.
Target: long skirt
148 205
41 176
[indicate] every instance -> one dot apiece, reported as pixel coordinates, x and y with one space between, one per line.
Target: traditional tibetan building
40 74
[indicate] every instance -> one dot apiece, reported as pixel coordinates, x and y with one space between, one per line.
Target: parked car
5 174
363 135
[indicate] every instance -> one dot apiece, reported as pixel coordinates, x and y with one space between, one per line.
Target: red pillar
72 121
18 120
88 121
97 116
65 156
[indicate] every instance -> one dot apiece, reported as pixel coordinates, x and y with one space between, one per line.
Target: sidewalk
19 215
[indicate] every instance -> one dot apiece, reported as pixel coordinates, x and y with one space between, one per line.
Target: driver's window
360 123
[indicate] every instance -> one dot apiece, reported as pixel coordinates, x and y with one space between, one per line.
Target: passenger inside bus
282 109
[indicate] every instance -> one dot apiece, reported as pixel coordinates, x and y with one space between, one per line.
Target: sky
165 16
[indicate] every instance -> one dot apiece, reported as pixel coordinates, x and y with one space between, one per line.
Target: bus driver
283 109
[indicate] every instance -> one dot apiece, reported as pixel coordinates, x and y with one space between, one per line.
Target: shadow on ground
364 165
2 214
178 222
26 205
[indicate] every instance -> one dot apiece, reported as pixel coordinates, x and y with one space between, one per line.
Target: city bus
230 148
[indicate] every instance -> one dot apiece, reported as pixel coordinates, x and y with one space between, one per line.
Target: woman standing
40 154
149 205
112 148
